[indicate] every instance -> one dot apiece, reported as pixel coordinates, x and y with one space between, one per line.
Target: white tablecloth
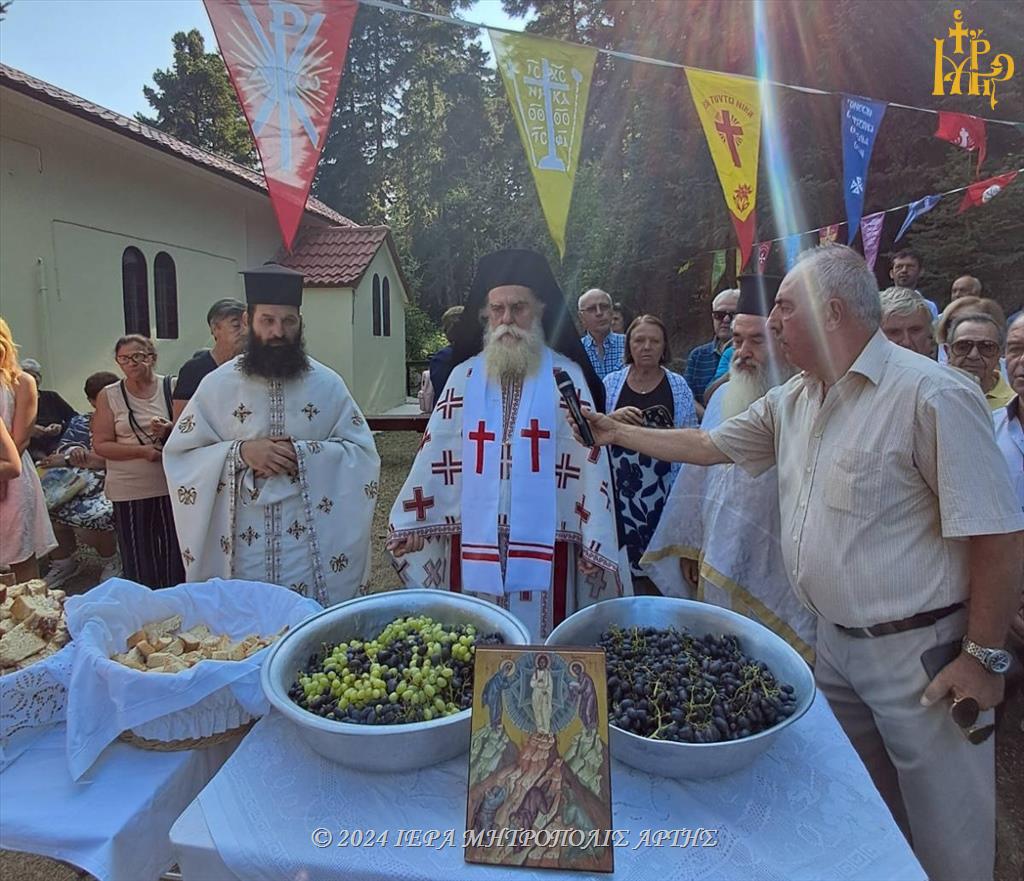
805 810
114 822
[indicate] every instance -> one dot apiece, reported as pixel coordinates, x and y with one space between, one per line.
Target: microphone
567 389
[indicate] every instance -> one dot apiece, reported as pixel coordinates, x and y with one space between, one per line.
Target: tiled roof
132 128
336 256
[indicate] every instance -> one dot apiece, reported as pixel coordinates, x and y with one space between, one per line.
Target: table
804 810
114 822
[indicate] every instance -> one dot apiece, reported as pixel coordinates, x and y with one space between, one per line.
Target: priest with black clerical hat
272 469
502 501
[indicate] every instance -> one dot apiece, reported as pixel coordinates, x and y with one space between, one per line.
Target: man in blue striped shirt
703 360
605 349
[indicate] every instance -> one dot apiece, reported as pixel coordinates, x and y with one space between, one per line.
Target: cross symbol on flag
730 131
857 186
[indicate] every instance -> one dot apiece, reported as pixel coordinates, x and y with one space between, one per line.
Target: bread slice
19 644
166 627
158 659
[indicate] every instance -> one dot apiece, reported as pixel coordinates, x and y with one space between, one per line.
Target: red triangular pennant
964 131
985 190
285 62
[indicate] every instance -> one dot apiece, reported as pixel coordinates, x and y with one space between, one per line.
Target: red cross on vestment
535 435
566 471
449 403
480 435
418 503
582 510
424 440
448 467
727 127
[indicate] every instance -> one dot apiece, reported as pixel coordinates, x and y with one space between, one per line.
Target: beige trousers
939 788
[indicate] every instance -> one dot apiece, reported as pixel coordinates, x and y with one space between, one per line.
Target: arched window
165 290
385 300
376 305
135 291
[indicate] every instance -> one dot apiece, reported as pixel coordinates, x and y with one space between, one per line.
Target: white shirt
1010 438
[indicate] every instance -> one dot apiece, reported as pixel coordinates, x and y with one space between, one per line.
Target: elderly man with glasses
974 344
605 349
703 362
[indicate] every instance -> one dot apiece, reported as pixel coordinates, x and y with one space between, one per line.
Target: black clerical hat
757 294
273 285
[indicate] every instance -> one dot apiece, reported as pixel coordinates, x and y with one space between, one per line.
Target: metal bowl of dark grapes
704 707
379 747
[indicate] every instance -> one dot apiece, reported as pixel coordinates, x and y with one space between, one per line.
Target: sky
106 50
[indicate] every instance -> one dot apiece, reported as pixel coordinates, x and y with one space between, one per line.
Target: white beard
744 388
513 362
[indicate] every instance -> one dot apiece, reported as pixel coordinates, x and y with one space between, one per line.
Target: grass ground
396 452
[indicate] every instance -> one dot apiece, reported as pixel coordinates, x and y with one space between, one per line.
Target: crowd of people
843 464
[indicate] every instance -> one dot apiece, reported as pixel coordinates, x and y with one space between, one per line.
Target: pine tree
194 101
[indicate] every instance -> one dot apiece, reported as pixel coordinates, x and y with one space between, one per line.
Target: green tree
194 101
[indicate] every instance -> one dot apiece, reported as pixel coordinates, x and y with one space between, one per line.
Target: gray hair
587 293
838 272
31 365
902 301
977 317
728 292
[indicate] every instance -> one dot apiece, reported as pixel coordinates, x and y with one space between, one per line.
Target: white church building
108 226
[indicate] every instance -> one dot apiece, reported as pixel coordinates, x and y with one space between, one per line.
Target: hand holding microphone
591 429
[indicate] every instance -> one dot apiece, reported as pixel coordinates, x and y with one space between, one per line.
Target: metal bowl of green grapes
385 682
694 690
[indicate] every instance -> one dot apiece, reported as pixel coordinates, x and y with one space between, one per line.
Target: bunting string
646 59
937 196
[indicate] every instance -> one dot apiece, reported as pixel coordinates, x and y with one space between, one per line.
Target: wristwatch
993 660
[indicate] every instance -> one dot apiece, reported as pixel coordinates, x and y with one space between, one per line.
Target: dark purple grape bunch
669 685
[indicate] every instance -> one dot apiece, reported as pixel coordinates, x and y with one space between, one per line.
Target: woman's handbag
61 485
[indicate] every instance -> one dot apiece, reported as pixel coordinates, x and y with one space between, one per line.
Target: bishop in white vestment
272 470
501 500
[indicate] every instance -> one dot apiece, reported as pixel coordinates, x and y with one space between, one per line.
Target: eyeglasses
721 315
135 358
986 348
964 712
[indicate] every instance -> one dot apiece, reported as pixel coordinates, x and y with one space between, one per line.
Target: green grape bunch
415 670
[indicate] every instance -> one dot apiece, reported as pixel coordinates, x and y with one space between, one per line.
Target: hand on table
268 456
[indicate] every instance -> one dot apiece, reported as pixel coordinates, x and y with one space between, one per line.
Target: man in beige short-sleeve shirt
899 531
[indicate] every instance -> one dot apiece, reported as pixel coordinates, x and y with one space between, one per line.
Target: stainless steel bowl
379 747
691 761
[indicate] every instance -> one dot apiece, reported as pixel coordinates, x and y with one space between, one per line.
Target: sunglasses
720 315
986 348
135 358
965 712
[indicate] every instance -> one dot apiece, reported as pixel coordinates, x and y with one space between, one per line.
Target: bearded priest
719 532
502 501
272 469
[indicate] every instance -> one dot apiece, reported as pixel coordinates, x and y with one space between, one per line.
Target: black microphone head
564 381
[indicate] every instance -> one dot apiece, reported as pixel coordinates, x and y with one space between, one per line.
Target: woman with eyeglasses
132 420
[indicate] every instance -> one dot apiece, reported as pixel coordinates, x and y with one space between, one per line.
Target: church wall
74 196
327 326
380 383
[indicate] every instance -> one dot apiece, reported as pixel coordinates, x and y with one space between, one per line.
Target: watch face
999 661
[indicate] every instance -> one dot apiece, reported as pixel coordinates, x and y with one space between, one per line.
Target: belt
923 619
